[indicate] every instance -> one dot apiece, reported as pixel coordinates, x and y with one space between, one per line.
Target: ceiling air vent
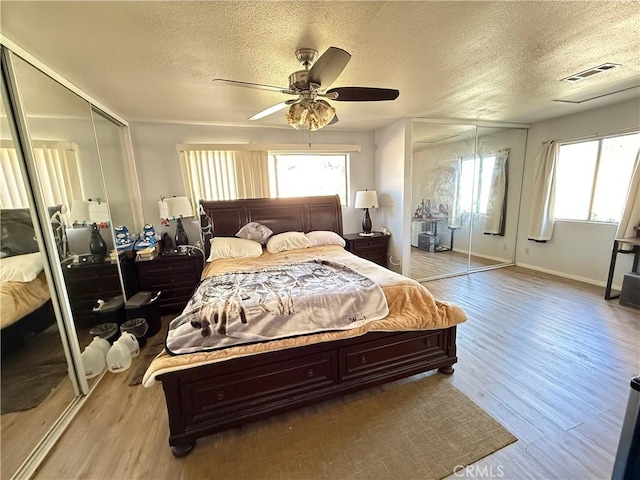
578 77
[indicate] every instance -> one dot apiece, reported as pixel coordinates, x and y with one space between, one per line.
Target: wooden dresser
372 248
176 275
88 282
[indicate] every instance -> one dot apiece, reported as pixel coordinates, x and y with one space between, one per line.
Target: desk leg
612 268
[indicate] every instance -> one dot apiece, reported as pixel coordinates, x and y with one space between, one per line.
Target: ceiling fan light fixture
310 115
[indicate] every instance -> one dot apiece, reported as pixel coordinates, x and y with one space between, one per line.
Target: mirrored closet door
465 190
75 164
68 169
37 377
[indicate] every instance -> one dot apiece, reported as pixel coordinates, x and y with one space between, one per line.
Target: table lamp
366 199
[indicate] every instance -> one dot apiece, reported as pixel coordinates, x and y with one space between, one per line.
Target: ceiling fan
311 86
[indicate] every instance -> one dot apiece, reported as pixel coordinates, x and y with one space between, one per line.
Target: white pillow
288 241
230 247
325 237
21 268
255 231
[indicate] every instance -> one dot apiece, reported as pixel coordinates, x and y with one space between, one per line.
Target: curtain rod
600 135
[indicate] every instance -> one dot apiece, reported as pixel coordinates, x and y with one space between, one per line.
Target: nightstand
88 282
372 248
175 275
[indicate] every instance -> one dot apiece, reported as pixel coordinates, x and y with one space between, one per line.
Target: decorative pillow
288 241
325 237
255 231
21 268
230 247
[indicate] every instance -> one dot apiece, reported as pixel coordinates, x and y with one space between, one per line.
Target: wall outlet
504 246
526 251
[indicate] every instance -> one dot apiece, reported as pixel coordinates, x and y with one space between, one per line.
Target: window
301 175
592 178
475 188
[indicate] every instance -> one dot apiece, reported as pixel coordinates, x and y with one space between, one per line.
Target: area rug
32 372
417 429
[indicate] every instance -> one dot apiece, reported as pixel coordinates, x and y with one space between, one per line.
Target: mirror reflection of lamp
176 208
366 199
85 212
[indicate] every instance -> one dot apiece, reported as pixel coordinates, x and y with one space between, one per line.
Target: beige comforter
18 299
411 307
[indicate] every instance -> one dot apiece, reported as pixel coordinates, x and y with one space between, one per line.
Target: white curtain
58 173
224 174
455 216
497 202
12 190
252 174
631 213
544 193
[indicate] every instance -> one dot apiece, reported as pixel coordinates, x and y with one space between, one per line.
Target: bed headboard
301 214
17 234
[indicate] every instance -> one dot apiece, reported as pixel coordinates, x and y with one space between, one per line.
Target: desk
635 243
432 230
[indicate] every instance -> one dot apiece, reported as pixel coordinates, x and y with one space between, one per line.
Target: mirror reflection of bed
35 387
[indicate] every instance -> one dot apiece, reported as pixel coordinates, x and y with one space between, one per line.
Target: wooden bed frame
210 398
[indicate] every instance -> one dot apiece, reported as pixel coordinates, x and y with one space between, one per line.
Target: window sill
590 222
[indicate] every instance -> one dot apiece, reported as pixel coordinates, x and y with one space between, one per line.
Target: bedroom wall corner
392 155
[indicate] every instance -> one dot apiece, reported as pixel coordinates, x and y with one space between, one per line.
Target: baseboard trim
567 275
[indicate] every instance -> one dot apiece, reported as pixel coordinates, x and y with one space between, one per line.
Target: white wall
154 146
580 250
392 170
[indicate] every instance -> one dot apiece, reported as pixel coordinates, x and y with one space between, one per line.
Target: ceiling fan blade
272 109
329 66
260 86
334 120
364 94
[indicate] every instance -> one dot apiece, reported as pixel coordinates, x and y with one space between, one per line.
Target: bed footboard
211 398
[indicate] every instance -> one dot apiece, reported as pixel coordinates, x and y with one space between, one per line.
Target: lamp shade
175 207
79 211
310 115
366 199
88 211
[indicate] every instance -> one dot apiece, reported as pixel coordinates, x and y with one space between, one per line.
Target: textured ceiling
498 61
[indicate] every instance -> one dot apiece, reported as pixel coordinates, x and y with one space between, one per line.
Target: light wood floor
432 264
21 431
549 358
